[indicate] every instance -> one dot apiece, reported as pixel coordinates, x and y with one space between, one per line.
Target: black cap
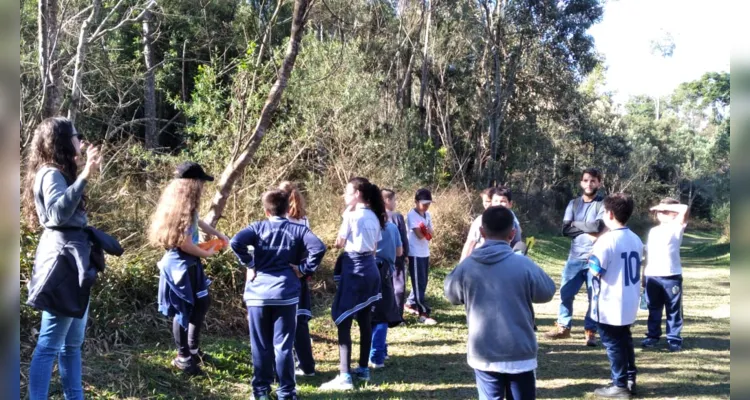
423 195
192 170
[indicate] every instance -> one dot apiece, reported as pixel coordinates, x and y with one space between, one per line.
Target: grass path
430 362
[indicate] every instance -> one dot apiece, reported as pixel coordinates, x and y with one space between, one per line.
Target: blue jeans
61 338
379 349
272 330
618 340
574 275
498 386
664 293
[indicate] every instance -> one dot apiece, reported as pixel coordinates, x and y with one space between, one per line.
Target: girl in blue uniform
357 276
302 343
183 285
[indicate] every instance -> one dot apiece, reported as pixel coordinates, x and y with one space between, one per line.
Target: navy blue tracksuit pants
272 330
419 269
664 293
618 340
499 386
303 345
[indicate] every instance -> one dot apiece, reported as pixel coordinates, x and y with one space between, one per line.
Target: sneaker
675 347
411 309
376 366
632 387
558 332
299 372
260 397
425 319
613 392
187 366
590 338
340 382
362 373
649 343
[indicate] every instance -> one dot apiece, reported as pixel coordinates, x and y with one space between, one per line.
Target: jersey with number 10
617 257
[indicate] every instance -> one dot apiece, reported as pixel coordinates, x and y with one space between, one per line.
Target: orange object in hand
215 244
425 231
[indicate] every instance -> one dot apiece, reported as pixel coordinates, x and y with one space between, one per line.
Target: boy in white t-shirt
419 222
615 267
503 196
663 274
475 239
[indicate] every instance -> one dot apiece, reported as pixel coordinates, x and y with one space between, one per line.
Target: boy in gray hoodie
498 287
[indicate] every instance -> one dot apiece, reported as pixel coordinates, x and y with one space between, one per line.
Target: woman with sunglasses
54 199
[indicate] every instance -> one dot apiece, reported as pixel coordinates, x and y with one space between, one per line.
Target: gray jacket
57 202
498 287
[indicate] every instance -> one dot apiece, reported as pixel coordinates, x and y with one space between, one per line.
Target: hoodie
497 288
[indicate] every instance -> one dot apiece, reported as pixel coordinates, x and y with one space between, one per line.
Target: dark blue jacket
66 265
177 291
276 243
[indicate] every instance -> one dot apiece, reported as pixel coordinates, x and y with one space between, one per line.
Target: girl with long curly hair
54 199
183 285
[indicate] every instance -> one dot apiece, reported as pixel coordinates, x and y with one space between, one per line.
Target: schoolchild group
281 253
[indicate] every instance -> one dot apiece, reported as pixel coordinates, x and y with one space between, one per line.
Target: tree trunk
75 95
425 65
149 90
48 62
235 167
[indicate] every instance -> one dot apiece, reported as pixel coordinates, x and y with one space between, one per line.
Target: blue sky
700 30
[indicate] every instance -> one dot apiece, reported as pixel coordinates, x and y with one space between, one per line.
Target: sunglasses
79 136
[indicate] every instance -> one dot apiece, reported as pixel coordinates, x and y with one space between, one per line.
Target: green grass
430 362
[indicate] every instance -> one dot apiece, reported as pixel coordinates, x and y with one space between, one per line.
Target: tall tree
149 85
238 164
49 35
83 38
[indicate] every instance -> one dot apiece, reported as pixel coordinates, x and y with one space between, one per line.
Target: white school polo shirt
418 247
361 229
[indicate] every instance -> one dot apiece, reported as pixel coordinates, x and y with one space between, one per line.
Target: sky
700 31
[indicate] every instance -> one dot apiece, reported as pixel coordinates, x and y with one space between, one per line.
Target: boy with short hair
615 267
419 222
663 273
399 275
272 290
474 239
497 287
384 311
503 196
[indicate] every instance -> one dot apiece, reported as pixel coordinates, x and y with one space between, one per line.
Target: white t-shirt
617 257
664 242
476 236
361 229
418 247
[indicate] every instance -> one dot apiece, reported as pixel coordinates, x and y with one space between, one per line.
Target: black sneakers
188 366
